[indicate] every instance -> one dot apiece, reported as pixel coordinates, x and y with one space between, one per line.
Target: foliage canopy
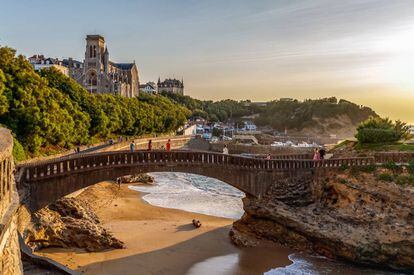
50 109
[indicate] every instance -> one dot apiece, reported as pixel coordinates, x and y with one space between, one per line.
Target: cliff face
338 214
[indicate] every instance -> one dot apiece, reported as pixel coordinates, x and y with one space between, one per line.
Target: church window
90 51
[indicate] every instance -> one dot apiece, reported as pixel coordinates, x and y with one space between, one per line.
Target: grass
344 143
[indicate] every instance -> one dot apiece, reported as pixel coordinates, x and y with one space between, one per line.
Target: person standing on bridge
316 155
322 153
132 146
149 145
225 150
168 145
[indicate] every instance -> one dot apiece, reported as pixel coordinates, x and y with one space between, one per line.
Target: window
90 51
92 79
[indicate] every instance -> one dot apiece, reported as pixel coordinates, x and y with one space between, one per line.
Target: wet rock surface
69 222
338 215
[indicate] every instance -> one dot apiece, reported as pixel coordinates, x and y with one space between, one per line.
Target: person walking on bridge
168 145
132 146
149 145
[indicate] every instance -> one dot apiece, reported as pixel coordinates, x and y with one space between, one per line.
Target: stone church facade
98 74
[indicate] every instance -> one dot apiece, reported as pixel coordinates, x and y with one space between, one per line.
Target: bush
344 167
405 180
376 135
392 166
18 151
381 130
385 177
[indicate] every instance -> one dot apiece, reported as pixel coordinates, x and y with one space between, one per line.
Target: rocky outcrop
338 214
69 222
138 178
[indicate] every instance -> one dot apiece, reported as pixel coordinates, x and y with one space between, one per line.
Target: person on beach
168 145
225 150
149 145
316 155
118 181
132 146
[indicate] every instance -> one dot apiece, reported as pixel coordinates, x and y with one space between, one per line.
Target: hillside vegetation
50 109
319 116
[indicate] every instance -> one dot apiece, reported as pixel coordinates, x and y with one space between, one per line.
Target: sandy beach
159 240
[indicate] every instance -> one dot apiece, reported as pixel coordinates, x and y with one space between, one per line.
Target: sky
360 50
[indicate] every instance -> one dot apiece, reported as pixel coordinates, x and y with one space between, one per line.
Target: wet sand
162 241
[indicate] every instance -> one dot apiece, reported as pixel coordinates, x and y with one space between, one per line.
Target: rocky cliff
350 215
69 222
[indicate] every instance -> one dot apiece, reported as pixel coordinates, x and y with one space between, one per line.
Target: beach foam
193 193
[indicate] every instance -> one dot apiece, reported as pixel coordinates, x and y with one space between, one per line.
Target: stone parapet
10 262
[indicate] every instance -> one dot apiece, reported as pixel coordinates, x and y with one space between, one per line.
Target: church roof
124 66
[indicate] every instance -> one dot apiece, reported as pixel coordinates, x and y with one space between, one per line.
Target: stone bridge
48 181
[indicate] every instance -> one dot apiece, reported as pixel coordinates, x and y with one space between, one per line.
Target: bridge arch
48 181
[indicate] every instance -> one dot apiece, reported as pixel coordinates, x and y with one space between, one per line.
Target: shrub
376 135
392 166
344 167
405 180
385 177
18 151
380 130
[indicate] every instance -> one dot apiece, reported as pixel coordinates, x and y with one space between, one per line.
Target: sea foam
193 193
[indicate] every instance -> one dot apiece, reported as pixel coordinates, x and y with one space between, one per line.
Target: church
98 74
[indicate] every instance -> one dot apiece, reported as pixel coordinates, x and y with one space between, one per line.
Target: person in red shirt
168 146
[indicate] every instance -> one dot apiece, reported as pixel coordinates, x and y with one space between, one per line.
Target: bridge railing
398 157
125 158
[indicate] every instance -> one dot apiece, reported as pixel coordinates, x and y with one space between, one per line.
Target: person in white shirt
225 150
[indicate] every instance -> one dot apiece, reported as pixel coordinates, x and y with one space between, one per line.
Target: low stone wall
10 262
259 149
157 143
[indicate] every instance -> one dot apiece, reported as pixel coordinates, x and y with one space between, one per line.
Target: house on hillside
149 88
40 62
174 86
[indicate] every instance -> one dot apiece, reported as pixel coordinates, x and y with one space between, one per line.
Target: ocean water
209 196
193 193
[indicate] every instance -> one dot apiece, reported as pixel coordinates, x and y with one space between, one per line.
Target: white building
249 126
190 130
149 88
411 129
39 62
